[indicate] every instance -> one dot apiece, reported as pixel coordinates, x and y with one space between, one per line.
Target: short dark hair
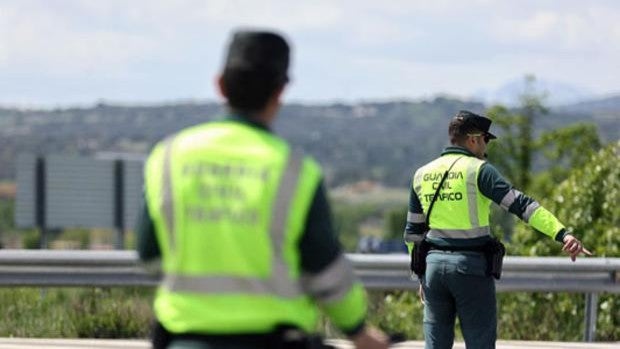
248 90
465 123
457 132
256 66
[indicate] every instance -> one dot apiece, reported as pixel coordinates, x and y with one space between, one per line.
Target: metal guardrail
51 268
533 274
377 271
47 268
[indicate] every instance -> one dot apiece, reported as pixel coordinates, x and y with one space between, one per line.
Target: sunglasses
486 137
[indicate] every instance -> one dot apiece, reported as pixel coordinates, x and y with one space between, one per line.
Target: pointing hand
574 247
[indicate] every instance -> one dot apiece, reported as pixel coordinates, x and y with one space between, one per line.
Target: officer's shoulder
428 165
308 162
487 169
157 149
311 161
479 162
487 166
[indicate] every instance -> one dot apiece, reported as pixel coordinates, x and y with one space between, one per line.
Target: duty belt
480 248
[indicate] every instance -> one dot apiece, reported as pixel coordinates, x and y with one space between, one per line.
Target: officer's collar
455 149
239 117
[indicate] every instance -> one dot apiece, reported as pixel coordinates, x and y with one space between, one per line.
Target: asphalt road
29 343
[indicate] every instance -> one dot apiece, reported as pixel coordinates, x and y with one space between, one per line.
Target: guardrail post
590 320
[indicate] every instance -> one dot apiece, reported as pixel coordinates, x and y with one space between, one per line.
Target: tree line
381 142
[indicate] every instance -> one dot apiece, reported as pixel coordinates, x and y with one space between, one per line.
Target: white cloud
40 39
537 27
573 28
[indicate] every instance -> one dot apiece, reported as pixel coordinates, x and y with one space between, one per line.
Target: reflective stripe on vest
416 217
332 283
472 193
168 205
279 283
460 233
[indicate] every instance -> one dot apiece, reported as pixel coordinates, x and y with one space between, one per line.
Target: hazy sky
63 52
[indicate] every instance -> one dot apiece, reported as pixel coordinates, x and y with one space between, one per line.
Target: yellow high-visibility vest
460 210
229 203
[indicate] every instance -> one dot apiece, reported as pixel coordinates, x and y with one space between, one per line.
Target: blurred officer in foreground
242 224
455 255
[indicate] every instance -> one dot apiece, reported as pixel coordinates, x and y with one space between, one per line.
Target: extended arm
496 188
329 278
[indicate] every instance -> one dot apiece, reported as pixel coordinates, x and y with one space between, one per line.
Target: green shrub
397 312
110 313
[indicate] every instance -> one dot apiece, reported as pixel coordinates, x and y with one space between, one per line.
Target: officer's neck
480 154
264 116
268 114
257 118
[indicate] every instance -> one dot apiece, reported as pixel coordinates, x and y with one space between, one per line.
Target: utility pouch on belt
418 257
494 253
420 249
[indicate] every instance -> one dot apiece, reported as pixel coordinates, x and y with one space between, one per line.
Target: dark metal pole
119 208
40 201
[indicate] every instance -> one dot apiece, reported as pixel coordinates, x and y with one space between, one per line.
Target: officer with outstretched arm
455 256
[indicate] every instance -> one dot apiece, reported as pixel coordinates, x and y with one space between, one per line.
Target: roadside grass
75 312
127 313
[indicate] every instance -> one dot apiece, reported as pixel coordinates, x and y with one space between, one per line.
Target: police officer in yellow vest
456 282
241 223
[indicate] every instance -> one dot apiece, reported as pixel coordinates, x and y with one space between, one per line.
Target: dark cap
258 51
470 122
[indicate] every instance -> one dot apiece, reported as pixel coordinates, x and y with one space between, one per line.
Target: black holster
494 252
418 257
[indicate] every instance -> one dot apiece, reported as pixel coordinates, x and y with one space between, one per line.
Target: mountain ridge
378 141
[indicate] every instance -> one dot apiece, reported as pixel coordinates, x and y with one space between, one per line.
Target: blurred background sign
58 191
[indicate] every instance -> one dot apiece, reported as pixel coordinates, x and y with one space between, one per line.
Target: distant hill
380 142
609 105
557 93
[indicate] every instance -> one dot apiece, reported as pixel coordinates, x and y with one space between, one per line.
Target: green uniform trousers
455 284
